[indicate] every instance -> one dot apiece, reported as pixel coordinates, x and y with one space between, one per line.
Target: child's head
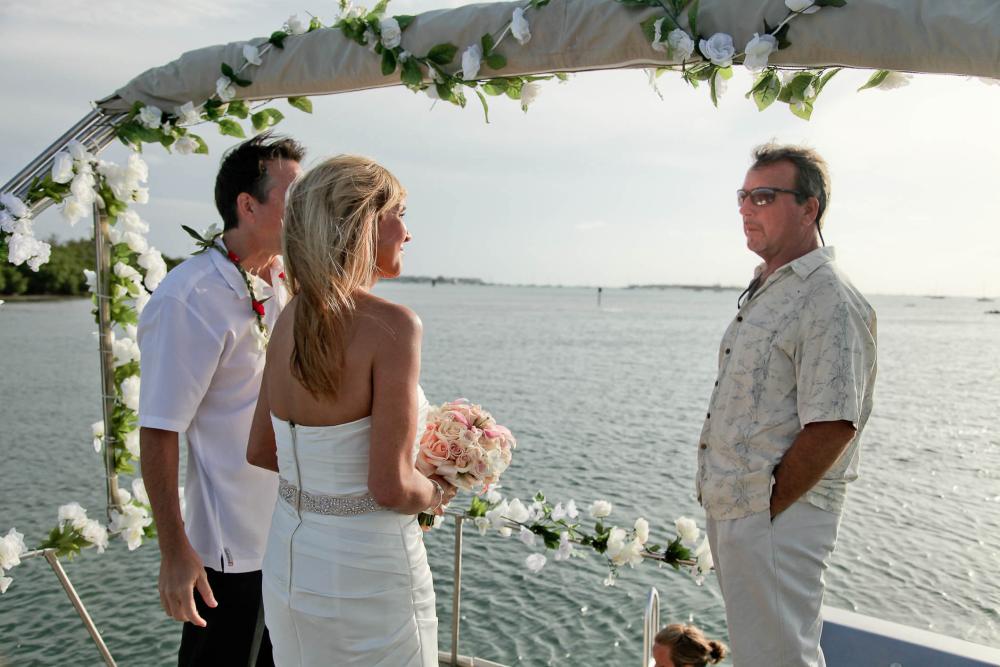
679 645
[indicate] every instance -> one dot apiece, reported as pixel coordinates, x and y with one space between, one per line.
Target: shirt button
704 446
708 415
716 383
739 318
727 350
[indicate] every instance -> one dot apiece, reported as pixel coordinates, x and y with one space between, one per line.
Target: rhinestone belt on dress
319 503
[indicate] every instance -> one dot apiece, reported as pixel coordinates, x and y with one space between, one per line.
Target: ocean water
606 402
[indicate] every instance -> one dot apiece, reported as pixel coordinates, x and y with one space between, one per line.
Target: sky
600 183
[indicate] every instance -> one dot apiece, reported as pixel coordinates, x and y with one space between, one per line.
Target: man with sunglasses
791 398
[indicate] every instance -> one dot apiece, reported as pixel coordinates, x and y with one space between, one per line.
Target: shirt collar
804 265
228 270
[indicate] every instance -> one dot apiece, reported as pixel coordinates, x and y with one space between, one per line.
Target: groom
792 395
201 373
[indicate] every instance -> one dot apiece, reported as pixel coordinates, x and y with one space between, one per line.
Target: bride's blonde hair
329 245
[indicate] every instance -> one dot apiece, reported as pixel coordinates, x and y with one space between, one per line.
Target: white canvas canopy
933 36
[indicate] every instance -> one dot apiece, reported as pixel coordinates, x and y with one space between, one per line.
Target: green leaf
875 79
801 109
378 9
693 17
477 507
826 77
411 74
496 61
487 43
265 118
713 93
229 72
442 54
314 24
301 103
495 86
202 146
214 109
239 109
766 90
388 62
404 21
230 127
277 38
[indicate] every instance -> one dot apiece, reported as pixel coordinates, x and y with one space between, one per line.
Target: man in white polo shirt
793 393
201 337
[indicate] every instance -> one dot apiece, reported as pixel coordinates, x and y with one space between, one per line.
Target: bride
346 579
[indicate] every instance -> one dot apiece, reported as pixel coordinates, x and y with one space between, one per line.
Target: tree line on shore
61 276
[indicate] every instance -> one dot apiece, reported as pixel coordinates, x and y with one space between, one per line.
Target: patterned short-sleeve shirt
800 350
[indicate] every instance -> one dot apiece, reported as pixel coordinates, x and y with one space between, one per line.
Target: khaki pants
771 576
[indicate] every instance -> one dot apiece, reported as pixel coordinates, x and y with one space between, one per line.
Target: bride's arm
392 478
261 448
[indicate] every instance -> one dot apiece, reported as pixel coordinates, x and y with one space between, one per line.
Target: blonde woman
345 575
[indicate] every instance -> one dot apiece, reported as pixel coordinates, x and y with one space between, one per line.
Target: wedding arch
478 54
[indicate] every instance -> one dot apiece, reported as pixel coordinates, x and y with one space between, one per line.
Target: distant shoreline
447 280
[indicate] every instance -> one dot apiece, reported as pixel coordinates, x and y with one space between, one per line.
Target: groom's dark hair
244 169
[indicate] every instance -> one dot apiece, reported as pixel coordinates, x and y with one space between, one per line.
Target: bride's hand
448 491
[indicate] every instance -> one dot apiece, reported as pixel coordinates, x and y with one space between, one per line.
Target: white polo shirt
201 374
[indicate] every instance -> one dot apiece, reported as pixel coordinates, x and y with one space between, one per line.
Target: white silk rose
642 530
130 393
719 49
529 93
11 548
296 25
680 45
224 88
14 205
186 145
758 50
251 54
472 58
519 27
802 6
150 116
73 210
687 529
392 34
62 167
132 446
600 509
187 114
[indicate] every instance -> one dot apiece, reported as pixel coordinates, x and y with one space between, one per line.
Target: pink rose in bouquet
463 444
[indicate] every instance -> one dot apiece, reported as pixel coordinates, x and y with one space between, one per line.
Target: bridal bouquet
463 444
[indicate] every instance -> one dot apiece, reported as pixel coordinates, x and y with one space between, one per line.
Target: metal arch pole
456 600
25 174
102 271
650 625
57 567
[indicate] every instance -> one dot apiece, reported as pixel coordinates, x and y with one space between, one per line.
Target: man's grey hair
812 177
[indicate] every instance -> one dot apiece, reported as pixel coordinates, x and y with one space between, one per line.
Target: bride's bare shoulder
384 319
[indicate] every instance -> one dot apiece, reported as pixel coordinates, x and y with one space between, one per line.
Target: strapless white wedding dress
343 585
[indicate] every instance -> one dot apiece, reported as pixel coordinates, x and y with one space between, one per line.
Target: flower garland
210 240
557 529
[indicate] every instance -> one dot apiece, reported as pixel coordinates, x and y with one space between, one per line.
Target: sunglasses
763 196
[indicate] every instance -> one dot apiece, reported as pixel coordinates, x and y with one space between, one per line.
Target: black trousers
229 636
